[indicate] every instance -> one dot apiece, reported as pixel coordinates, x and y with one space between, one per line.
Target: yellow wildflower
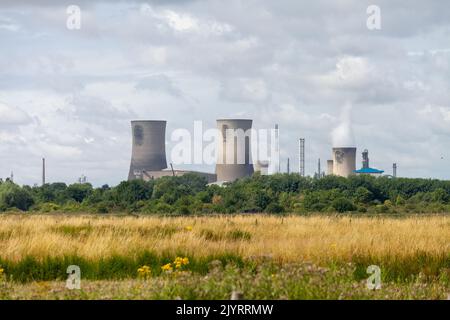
179 262
188 228
2 274
167 267
144 271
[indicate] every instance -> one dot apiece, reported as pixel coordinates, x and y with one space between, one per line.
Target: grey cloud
159 82
273 61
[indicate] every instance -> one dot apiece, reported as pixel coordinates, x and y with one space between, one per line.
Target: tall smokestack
277 148
43 171
149 147
344 161
319 170
234 152
301 157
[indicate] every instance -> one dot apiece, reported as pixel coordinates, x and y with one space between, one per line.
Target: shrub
362 195
48 207
102 207
343 205
274 208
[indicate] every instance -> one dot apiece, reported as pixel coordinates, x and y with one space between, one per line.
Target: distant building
366 169
370 171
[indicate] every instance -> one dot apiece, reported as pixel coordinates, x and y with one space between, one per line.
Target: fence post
236 295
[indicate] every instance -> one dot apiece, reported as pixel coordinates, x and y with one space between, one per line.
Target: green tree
363 195
13 196
129 192
79 191
440 196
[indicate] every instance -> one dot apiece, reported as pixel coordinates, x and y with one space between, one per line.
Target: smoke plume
342 135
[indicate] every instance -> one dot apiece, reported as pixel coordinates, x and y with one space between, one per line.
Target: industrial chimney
234 150
365 157
149 147
344 161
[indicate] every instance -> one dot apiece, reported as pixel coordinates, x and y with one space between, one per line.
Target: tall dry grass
318 239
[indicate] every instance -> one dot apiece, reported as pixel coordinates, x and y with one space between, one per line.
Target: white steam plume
342 135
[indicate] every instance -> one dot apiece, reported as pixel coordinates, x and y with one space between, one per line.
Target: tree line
275 194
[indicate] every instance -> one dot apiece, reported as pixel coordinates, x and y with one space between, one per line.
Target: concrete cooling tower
329 167
234 150
344 161
149 147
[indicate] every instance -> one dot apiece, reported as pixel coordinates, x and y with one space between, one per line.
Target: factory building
366 169
234 150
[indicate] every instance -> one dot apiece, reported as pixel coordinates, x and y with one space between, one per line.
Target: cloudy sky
312 66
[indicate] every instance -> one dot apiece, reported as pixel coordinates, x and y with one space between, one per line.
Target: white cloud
185 22
245 89
349 72
9 24
12 115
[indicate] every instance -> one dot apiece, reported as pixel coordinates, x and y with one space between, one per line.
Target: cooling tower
262 167
329 167
149 147
344 161
234 150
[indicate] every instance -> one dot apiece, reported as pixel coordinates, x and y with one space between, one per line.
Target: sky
313 67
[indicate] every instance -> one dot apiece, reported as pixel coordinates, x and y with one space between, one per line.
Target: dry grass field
316 239
409 249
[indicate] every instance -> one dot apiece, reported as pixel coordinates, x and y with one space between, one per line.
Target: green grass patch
86 229
404 269
408 269
114 267
233 235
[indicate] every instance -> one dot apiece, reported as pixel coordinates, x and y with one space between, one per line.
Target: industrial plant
234 155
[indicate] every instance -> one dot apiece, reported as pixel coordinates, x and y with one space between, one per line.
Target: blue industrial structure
366 169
